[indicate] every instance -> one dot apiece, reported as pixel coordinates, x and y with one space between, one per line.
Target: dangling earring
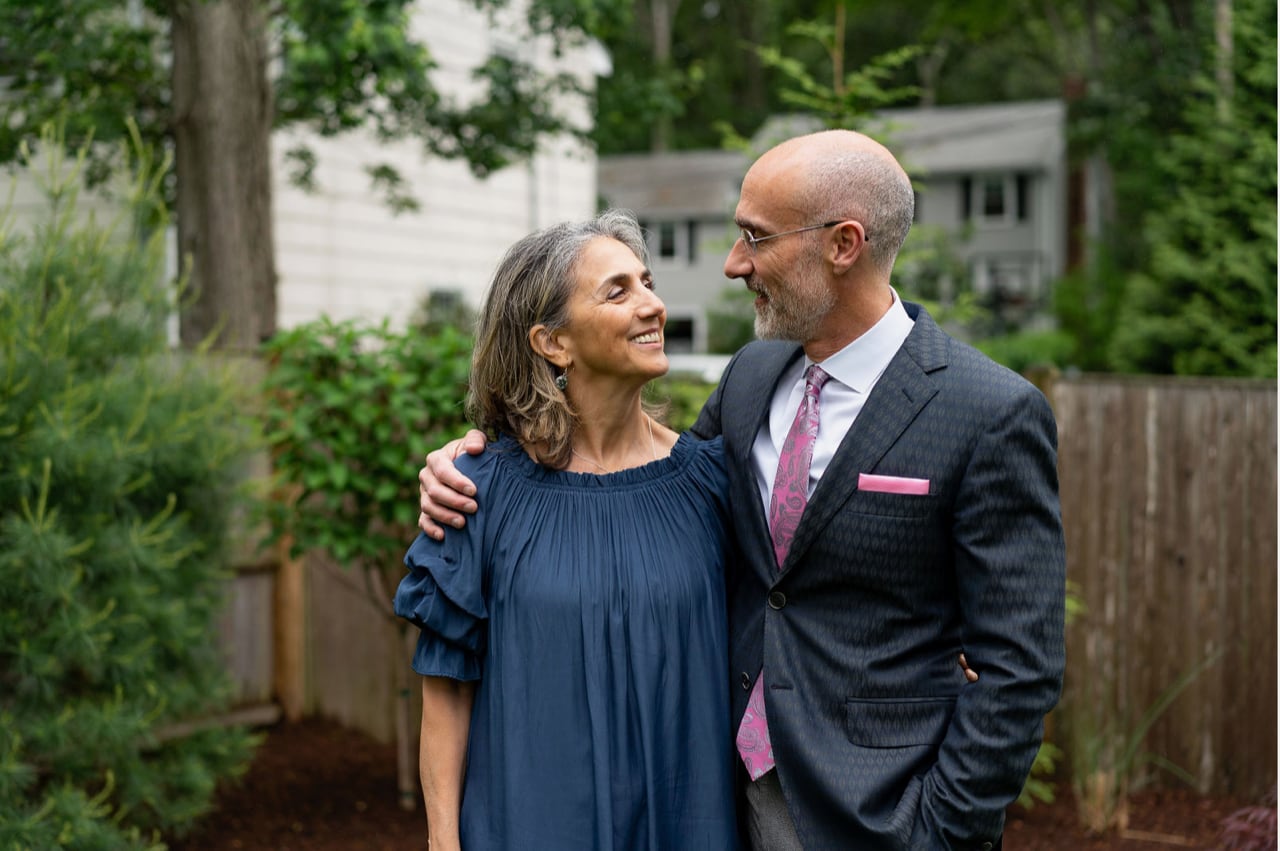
562 380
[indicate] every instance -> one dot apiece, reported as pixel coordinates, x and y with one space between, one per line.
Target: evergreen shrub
119 464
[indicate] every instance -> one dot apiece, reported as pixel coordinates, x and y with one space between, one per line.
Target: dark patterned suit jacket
879 740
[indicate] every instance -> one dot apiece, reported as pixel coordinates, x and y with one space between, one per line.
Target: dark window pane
1024 197
693 241
993 198
667 239
678 334
966 190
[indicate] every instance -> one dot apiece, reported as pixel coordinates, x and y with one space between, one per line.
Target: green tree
1206 302
666 96
194 75
118 465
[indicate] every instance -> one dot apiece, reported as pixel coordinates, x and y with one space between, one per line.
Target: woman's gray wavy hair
512 387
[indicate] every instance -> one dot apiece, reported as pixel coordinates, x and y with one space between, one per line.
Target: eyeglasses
752 240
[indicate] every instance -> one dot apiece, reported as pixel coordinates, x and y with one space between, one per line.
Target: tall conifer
118 468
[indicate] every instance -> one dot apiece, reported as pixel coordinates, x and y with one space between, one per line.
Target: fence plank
1169 503
351 648
244 635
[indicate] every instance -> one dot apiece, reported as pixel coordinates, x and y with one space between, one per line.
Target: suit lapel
754 391
898 397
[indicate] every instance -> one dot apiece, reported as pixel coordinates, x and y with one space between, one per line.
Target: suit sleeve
1010 568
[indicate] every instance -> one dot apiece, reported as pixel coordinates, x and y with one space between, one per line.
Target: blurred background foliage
1171 115
1171 123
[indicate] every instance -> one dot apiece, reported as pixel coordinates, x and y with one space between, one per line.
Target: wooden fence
1169 505
1169 502
347 648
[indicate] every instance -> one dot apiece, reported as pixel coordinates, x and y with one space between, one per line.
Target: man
895 503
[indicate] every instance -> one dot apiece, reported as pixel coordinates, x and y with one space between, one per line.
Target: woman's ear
549 345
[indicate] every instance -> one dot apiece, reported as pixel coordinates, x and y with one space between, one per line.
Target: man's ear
847 244
549 345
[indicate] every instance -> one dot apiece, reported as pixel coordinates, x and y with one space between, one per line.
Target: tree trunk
1099 195
222 104
662 14
929 67
1224 57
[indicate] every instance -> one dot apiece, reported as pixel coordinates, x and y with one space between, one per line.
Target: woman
573 645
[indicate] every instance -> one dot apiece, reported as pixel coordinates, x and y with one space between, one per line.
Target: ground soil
316 786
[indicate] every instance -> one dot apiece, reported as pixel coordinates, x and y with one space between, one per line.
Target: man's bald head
839 174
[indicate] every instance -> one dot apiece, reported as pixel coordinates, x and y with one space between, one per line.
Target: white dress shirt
854 371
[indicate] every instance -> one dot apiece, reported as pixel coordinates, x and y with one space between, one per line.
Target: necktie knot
814 377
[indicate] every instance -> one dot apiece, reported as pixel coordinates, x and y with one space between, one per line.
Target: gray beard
796 321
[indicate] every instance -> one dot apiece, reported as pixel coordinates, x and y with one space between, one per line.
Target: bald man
895 503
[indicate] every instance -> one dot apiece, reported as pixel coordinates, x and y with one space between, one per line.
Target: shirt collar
859 364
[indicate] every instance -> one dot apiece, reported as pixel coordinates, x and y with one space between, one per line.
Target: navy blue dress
591 611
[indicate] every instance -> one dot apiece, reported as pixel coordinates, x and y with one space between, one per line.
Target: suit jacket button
986 846
777 600
746 681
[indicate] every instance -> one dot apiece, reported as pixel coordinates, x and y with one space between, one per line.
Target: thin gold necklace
653 447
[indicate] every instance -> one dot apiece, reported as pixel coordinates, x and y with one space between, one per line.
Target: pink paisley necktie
786 503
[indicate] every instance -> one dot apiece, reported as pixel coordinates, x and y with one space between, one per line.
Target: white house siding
341 252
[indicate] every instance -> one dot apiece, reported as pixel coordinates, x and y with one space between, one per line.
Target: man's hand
444 494
969 673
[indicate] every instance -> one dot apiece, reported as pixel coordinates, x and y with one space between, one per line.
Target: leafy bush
731 321
118 468
1023 350
679 399
353 410
1252 828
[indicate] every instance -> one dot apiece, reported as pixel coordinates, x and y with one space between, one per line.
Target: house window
993 205
996 199
671 242
1009 277
666 240
678 334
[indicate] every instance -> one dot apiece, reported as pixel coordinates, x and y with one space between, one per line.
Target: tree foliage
118 465
211 79
1206 302
1175 194
342 65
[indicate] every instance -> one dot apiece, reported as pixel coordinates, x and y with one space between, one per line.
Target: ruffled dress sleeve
443 594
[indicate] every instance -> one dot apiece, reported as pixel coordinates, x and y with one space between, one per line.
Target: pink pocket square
892 484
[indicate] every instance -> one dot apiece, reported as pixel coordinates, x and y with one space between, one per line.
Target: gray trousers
769 825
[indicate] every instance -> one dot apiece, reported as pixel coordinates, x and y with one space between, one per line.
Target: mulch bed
317 786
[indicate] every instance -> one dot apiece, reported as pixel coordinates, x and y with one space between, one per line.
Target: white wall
339 251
